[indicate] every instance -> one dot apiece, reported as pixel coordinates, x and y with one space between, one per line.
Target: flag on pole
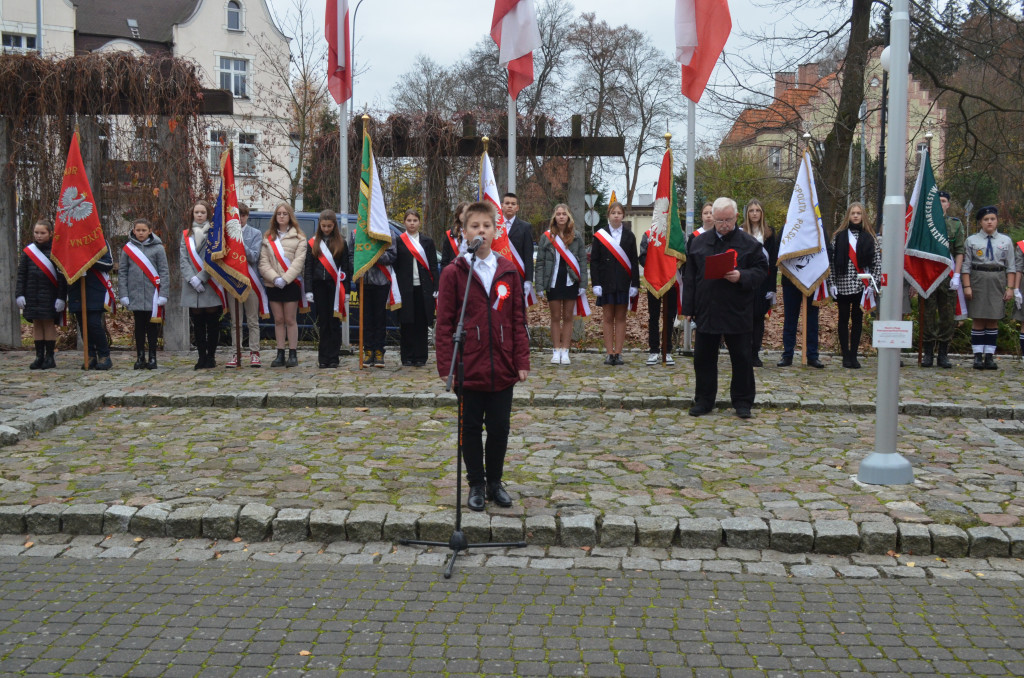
373 234
926 258
224 258
702 27
339 51
488 192
78 240
666 242
514 29
802 255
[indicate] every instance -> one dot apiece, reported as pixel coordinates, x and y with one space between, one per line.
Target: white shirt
616 234
485 268
415 267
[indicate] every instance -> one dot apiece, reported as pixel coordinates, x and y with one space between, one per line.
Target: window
245 158
233 76
18 44
234 16
775 160
218 142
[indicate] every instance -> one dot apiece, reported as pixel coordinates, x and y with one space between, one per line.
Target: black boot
279 360
200 331
990 362
929 354
140 360
212 339
979 361
37 364
49 346
151 365
293 358
943 359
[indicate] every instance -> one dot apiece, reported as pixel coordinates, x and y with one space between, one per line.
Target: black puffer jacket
39 292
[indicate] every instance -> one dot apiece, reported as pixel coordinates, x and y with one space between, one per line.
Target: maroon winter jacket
496 345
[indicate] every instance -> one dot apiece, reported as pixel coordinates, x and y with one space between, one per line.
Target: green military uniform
939 321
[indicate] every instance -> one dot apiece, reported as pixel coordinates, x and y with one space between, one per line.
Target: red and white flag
702 27
78 240
514 29
488 192
339 51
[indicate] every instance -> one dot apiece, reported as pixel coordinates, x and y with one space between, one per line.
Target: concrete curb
258 522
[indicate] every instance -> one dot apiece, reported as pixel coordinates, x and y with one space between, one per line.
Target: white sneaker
565 356
556 356
669 361
653 359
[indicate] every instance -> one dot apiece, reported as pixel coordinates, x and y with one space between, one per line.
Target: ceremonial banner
373 234
514 29
926 259
802 255
666 242
488 192
224 258
702 28
78 240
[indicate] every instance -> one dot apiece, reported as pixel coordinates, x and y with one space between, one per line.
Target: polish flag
339 51
702 27
514 29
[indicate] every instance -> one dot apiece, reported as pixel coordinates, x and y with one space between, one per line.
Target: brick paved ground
82 618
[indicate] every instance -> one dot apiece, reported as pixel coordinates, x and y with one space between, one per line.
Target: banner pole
238 330
803 330
362 302
920 328
85 326
512 123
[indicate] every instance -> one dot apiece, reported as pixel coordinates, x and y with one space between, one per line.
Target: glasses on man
723 222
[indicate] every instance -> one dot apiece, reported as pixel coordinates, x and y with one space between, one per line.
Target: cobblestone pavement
78 618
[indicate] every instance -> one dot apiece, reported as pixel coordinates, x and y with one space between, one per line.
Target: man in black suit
520 234
721 308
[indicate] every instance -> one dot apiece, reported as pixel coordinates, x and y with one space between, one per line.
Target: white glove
59 306
1017 298
598 291
197 284
833 290
161 301
279 283
125 301
954 284
435 295
771 298
527 288
309 297
633 291
21 302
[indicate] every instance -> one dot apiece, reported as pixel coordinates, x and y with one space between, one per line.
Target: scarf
865 250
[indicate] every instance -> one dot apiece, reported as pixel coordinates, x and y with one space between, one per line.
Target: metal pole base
886 468
457 543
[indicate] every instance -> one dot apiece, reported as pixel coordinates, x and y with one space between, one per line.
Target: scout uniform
939 317
989 261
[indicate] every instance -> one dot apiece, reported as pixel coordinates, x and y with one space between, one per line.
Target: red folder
717 265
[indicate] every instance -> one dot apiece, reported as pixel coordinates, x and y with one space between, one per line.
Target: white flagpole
343 174
512 120
691 159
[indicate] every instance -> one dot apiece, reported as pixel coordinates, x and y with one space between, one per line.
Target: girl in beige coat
281 262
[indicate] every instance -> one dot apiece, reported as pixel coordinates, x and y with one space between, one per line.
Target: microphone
475 244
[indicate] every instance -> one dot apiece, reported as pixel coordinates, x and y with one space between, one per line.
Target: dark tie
988 250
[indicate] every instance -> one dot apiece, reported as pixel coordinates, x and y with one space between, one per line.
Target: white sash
136 254
562 252
616 250
417 252
197 264
327 260
285 263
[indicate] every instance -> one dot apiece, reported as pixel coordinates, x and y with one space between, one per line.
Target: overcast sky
389 34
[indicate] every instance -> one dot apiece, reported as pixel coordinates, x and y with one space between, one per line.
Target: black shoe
37 364
333 364
757 361
618 359
419 363
928 358
279 360
103 364
140 361
476 498
378 358
943 359
979 361
815 363
151 364
210 363
699 410
855 364
609 359
785 362
293 358
496 493
743 412
990 362
407 363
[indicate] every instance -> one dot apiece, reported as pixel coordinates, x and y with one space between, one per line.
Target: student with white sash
561 276
41 294
142 279
855 250
418 275
453 243
327 273
281 265
257 304
200 295
615 272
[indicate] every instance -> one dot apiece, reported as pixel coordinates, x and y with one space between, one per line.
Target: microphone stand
457 373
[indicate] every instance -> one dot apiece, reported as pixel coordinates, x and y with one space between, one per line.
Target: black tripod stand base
457 542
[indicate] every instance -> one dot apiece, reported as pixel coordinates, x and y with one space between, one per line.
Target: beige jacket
293 244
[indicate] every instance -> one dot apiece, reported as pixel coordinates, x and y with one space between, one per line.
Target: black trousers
654 330
757 337
145 331
414 334
99 347
374 303
493 410
851 321
206 329
705 368
327 325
